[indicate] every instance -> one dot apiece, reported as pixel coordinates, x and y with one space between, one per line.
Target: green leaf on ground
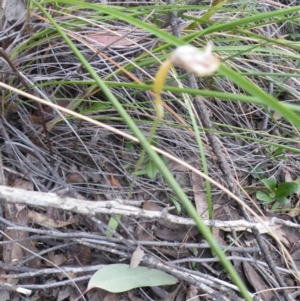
177 205
279 202
286 189
257 173
113 224
276 151
270 183
117 278
264 197
151 170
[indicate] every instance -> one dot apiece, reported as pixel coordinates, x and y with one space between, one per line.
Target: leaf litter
94 164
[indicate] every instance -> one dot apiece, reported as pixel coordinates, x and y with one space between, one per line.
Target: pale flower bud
192 60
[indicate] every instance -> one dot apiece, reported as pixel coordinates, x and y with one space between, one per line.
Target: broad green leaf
262 196
285 189
151 170
270 183
117 278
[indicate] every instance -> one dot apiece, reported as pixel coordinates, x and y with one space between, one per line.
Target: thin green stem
145 144
143 153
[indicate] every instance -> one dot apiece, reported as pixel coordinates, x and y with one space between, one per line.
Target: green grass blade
265 98
145 144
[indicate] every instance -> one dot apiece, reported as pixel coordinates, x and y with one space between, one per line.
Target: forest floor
67 209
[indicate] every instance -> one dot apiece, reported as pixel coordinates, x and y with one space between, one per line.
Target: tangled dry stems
87 158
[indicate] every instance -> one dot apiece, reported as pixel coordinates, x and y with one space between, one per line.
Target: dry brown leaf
44 220
136 257
180 296
219 236
192 294
23 184
14 252
143 229
258 283
284 234
57 259
109 39
96 295
13 108
173 232
111 297
35 119
64 293
175 253
81 286
199 195
288 236
296 210
277 116
19 208
114 182
132 297
151 206
75 178
79 254
296 258
180 173
171 296
287 176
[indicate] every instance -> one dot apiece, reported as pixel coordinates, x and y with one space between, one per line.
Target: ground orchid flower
190 59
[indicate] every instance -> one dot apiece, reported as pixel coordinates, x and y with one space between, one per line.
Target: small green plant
277 195
276 153
150 168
